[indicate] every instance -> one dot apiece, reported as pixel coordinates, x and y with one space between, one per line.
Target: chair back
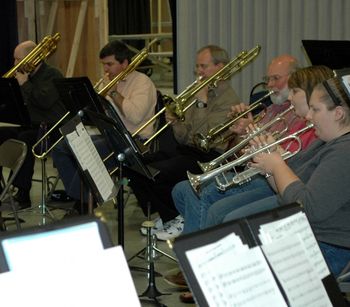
12 154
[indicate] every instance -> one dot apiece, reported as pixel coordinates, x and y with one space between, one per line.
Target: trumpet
197 180
208 166
182 102
43 50
216 134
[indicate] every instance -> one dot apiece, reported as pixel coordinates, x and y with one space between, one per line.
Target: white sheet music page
296 224
298 277
231 274
346 82
89 159
102 279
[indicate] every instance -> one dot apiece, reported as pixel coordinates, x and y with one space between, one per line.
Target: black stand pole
151 292
121 158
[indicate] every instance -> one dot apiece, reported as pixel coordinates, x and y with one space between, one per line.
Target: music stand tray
121 141
77 93
12 107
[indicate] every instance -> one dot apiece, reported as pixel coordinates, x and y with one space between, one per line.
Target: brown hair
307 78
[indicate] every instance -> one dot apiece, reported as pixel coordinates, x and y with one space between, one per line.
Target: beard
281 97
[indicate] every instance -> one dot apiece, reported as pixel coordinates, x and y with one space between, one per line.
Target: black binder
247 229
12 108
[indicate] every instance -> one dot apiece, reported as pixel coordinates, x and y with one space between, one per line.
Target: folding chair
12 155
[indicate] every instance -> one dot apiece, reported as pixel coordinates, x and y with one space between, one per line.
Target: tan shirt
140 98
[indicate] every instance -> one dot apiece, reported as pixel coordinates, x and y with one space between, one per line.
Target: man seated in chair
134 99
44 106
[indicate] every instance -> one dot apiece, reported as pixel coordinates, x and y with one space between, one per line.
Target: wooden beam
76 39
52 17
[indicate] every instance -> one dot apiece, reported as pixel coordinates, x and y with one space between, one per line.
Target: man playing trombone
134 99
211 106
44 106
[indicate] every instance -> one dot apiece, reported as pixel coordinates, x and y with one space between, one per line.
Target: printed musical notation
89 159
232 274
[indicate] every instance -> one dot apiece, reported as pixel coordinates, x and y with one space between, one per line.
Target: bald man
44 106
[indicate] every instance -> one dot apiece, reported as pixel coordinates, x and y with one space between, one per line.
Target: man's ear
125 63
339 113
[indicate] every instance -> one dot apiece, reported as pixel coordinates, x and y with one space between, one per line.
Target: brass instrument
217 135
197 180
246 175
99 82
44 49
182 102
43 154
135 62
208 166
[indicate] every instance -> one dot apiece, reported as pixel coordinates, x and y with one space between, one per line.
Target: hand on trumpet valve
240 125
262 140
266 162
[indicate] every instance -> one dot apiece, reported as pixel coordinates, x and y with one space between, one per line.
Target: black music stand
127 152
247 229
12 107
77 93
89 161
332 53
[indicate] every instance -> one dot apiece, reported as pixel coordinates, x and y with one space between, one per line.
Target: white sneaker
158 226
172 229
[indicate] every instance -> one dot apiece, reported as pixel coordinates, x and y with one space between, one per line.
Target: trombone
45 48
136 61
197 180
215 135
180 104
208 166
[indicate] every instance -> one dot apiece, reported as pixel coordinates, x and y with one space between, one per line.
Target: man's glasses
273 78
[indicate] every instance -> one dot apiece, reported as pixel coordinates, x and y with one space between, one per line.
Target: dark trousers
172 169
29 136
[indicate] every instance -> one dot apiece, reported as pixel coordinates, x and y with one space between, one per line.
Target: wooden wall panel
94 34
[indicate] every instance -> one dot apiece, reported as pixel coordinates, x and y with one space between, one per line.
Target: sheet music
89 159
230 274
298 277
101 278
289 226
346 82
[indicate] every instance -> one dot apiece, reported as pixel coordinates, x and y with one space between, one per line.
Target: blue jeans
194 209
258 206
68 169
259 190
336 257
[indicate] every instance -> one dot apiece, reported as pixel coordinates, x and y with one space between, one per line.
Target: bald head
23 50
277 76
283 64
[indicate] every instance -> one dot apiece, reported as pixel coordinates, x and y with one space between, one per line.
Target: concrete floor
134 241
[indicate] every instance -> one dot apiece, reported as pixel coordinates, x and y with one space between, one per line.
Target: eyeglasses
273 78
